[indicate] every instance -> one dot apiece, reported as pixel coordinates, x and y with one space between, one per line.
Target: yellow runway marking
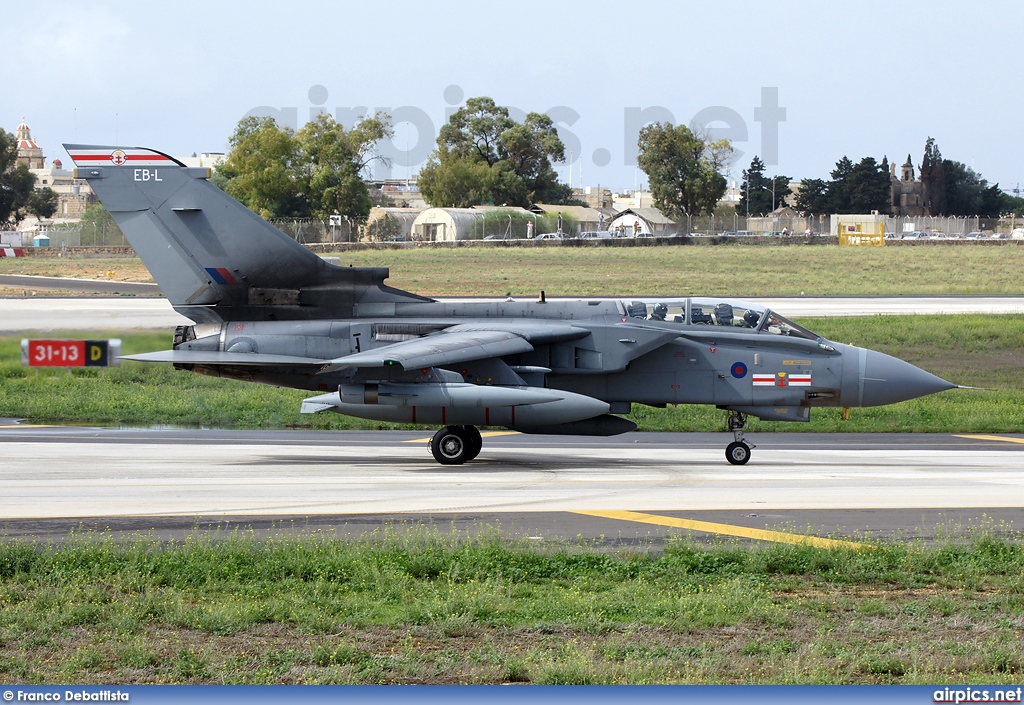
726 529
484 434
1004 439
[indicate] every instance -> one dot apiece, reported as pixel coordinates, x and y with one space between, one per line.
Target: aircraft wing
215 357
444 348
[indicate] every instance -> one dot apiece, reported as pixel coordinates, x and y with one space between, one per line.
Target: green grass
419 606
726 270
974 350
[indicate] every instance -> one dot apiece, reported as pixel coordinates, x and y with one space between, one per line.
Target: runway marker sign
71 353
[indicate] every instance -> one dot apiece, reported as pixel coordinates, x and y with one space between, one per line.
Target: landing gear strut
737 452
454 445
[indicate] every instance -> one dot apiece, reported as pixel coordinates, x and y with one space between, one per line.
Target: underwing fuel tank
459 404
454 395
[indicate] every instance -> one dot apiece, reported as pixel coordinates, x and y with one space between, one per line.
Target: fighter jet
269 310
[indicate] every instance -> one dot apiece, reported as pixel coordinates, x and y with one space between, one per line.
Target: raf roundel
739 370
118 157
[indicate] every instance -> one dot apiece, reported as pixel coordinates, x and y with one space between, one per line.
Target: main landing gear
455 445
737 452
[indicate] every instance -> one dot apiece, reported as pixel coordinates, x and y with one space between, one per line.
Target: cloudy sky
857 79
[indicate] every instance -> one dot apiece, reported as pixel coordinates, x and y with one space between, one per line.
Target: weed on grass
428 607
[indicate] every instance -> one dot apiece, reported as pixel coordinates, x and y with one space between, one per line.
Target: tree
484 156
261 169
330 159
868 188
315 172
16 182
967 193
757 194
1013 205
42 203
854 188
933 176
454 182
813 197
678 165
98 226
474 131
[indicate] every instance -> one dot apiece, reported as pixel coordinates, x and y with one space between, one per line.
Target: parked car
548 236
916 235
745 233
1017 234
595 235
975 235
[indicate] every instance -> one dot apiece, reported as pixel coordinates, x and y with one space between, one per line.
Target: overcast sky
857 79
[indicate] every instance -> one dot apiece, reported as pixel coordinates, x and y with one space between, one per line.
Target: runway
153 313
534 486
31 282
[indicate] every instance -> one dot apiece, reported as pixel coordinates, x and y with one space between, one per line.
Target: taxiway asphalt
637 488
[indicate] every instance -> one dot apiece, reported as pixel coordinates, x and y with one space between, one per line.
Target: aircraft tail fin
208 252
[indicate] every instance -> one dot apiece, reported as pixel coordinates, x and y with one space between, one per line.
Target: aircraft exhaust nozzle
872 378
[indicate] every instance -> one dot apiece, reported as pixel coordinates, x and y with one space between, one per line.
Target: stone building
29 152
908 193
73 195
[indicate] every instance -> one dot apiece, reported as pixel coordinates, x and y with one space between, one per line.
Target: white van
1017 234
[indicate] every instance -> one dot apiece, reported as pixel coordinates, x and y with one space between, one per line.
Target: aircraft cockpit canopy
716 312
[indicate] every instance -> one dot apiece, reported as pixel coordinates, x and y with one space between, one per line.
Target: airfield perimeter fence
313 231
951 226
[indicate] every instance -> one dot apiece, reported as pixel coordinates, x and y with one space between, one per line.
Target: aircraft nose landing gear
455 445
737 452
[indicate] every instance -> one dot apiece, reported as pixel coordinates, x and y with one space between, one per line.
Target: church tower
908 171
29 152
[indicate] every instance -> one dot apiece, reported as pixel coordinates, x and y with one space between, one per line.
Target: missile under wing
268 310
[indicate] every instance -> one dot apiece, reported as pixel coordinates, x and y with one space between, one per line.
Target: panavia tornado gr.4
268 310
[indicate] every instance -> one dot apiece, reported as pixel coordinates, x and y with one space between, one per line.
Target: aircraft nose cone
883 379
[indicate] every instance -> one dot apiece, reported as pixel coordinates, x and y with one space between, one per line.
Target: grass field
422 607
728 270
973 350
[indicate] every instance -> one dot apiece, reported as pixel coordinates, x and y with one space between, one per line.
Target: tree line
950 188
483 157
